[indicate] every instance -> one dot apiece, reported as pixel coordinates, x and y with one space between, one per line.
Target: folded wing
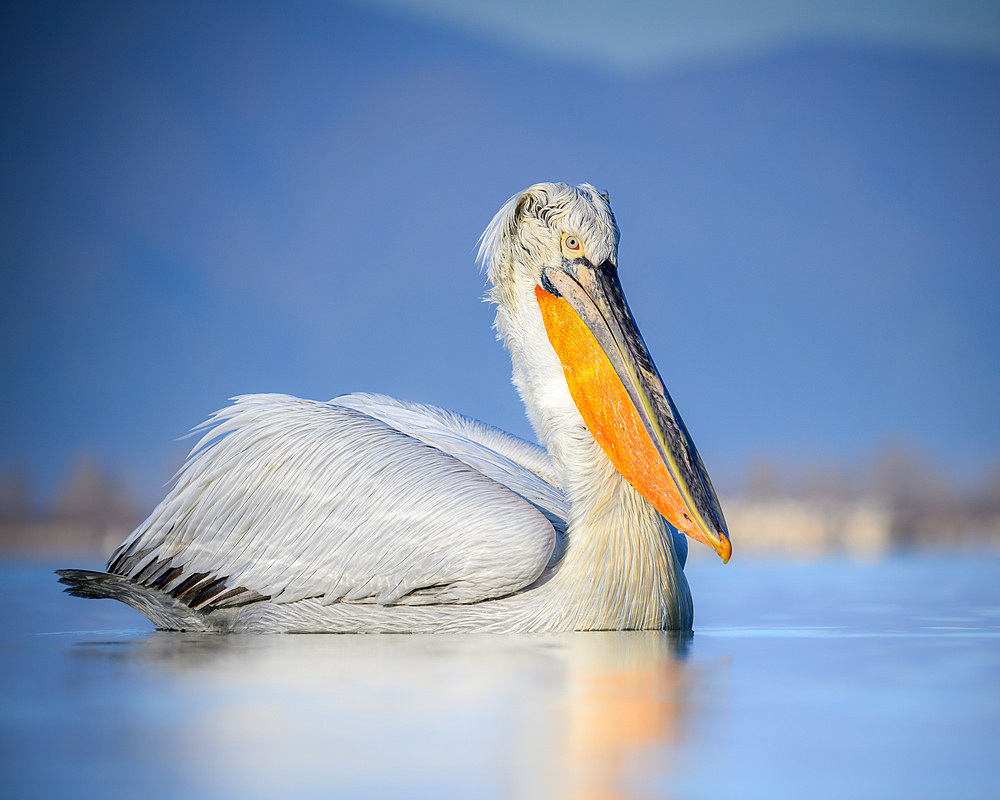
522 467
286 499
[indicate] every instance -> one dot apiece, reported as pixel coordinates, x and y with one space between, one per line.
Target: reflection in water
878 679
568 715
625 704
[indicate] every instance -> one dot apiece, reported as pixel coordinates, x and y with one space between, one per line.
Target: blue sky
204 200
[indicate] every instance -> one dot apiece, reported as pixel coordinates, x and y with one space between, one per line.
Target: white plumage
367 513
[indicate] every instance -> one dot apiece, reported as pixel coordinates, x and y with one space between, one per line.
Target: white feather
295 498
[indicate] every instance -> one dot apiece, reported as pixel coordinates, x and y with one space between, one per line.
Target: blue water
824 679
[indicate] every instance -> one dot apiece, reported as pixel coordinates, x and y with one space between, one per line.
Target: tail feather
90 584
160 608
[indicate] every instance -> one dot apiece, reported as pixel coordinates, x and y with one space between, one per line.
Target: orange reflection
626 711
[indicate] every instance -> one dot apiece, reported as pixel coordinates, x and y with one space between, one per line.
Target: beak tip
724 548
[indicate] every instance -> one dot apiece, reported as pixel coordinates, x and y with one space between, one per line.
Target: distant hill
288 199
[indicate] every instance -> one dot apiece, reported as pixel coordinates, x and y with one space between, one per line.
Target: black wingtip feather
86 583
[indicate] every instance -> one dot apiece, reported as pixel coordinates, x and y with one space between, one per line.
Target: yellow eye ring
572 247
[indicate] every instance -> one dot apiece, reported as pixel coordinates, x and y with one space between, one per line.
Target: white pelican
369 514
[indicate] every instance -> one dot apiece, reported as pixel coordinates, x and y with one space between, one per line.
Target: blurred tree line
91 512
775 506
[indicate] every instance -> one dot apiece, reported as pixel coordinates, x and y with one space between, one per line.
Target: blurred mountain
286 197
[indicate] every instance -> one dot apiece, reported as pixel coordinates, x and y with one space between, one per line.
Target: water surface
803 679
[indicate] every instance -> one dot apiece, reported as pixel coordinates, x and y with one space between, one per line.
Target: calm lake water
825 679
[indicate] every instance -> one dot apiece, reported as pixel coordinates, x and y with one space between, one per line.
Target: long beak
621 397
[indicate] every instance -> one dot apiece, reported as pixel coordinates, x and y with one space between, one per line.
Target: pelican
370 514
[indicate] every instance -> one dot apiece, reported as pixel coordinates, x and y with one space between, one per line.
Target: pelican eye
572 246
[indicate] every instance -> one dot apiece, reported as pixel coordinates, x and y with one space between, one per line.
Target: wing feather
288 499
522 467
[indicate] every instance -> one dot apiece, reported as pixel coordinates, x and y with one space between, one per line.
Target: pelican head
579 361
